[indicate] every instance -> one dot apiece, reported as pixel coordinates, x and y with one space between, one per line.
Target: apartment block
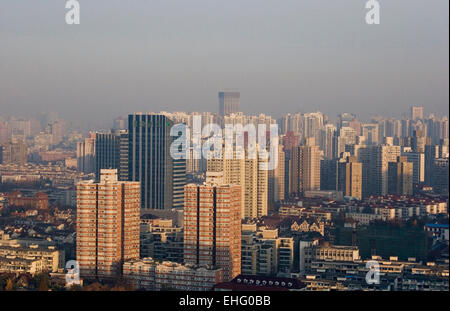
108 214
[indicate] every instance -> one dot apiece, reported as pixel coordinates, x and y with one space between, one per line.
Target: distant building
14 153
400 177
416 113
440 176
304 169
111 152
229 102
349 179
86 155
38 201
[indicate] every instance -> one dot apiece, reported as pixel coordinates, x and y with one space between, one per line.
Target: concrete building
349 177
400 177
107 224
14 152
38 257
246 171
416 113
229 102
148 274
375 161
276 181
304 168
161 240
265 253
86 155
212 225
440 176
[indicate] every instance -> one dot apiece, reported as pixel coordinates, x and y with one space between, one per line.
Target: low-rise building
52 258
148 274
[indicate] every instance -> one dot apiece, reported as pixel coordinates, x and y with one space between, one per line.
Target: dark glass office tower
150 162
112 153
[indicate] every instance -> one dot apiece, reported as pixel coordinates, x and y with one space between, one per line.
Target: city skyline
224 146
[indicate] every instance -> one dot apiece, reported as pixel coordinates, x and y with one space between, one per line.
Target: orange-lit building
38 201
212 225
108 215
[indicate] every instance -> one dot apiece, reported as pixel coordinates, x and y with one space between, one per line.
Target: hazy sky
282 55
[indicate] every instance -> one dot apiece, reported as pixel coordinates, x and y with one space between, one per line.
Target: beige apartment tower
108 218
401 177
304 168
349 179
248 173
212 225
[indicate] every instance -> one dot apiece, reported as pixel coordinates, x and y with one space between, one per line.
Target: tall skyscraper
350 177
212 225
305 168
229 102
150 161
108 220
111 152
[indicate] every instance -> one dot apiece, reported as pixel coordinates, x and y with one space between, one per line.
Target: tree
43 284
9 285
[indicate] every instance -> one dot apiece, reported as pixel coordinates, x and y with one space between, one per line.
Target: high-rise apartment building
400 176
346 137
327 141
229 102
416 113
14 152
349 177
304 168
86 154
247 172
111 152
276 181
440 176
108 219
375 161
418 161
162 178
212 225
